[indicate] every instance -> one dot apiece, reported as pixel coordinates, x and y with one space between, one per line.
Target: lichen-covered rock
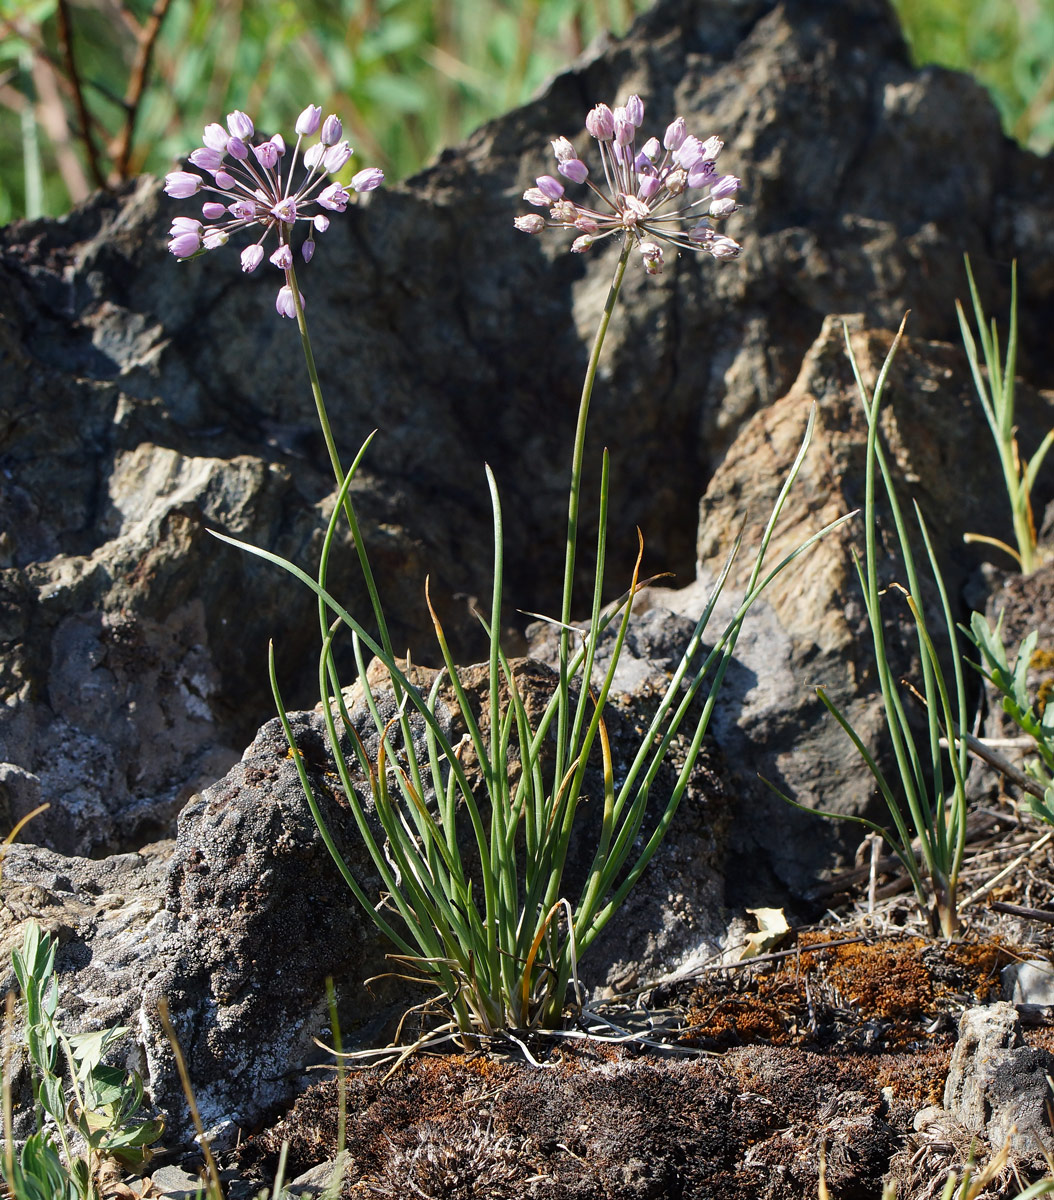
997 1086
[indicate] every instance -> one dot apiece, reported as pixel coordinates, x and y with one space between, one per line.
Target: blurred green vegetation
409 76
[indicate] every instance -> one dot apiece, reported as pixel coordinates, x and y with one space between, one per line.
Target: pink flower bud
712 147
223 180
331 130
215 137
723 247
308 250
335 157
240 125
237 148
244 210
212 210
625 131
181 184
551 189
564 212
601 123
722 186
676 132
651 149
282 257
574 169
214 239
649 185
368 179
308 121
581 244
723 207
587 224
251 256
313 155
206 158
334 197
531 223
279 144
185 225
321 222
536 197
285 305
676 181
651 253
184 245
635 110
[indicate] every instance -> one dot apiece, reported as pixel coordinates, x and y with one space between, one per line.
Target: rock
241 922
997 1086
134 394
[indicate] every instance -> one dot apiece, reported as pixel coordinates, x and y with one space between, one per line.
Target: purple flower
186 237
252 256
285 304
648 199
282 257
215 137
255 191
207 159
285 210
336 156
367 179
335 198
182 184
266 155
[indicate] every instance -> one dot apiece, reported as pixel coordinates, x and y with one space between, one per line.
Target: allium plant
649 196
499 937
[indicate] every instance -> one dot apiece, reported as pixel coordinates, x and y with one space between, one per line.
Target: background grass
408 76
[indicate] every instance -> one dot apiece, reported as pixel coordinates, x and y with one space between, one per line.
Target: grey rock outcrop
147 400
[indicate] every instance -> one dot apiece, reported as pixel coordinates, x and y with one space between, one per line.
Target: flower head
252 188
647 195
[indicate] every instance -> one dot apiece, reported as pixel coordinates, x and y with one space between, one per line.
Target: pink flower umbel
252 187
647 191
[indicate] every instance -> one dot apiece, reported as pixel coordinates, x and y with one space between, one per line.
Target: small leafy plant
104 1115
996 394
927 798
1011 682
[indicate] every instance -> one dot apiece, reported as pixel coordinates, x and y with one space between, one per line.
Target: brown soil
745 1079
